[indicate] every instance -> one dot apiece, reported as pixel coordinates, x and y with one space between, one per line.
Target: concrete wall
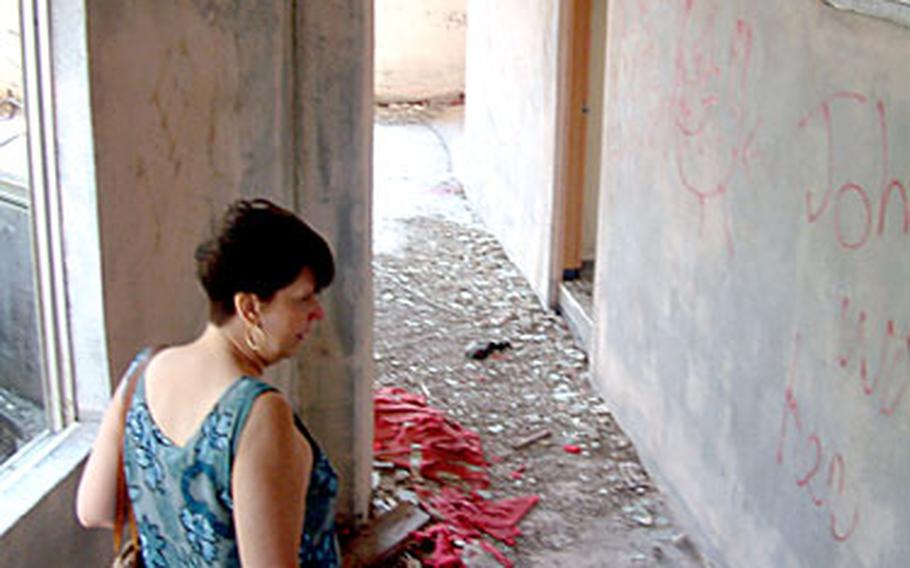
190 100
420 49
194 104
511 126
752 307
334 176
48 537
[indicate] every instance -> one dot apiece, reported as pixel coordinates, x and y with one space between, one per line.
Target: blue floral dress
181 495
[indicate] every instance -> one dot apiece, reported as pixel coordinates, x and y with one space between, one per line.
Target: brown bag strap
123 509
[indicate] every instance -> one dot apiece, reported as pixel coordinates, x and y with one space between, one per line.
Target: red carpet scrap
413 435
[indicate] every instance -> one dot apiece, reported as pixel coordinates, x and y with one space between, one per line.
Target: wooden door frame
574 36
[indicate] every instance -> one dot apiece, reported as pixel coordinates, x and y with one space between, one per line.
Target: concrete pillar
334 176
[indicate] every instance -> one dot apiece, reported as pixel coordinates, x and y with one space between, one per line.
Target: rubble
446 284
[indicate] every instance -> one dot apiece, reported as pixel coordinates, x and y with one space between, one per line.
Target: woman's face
290 315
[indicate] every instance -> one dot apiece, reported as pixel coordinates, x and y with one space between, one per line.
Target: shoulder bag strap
123 509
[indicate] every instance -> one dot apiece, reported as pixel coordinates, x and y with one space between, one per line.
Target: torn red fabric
444 553
468 518
472 514
404 421
404 424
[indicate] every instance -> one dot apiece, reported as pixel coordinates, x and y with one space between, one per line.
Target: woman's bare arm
270 475
96 498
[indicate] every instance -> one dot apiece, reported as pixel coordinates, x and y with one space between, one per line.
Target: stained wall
753 326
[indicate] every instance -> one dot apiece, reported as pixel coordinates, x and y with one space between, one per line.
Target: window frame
67 256
42 201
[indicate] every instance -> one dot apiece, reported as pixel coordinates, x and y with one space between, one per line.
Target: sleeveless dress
181 495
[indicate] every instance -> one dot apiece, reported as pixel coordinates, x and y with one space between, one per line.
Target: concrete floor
442 281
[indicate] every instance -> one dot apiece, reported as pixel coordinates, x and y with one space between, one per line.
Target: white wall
752 311
420 49
510 128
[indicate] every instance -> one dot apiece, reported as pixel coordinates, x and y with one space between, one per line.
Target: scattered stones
578 409
453 282
638 514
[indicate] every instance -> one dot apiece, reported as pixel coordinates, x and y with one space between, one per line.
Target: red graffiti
885 379
713 131
854 209
809 458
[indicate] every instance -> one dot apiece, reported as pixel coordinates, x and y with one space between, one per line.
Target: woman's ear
246 305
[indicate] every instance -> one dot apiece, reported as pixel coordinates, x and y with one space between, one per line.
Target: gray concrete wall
47 536
420 49
191 109
510 127
752 311
334 176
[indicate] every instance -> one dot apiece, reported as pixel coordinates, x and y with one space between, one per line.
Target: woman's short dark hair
260 248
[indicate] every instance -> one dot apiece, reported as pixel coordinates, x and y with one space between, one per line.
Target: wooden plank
384 536
530 439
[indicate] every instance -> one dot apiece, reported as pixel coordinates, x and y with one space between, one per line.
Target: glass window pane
22 405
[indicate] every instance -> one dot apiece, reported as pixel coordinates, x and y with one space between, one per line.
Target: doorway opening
581 181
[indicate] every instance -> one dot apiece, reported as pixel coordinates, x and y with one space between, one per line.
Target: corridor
443 287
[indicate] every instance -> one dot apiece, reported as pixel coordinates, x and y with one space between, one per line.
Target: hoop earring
255 338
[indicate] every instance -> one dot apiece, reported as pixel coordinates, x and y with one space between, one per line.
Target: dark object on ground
384 536
482 350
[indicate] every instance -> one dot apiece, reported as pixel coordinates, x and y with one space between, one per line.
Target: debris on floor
483 349
442 282
413 435
443 465
384 537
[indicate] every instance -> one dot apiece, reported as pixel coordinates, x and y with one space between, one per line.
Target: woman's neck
229 341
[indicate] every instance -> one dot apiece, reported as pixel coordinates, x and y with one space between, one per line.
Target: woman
219 470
